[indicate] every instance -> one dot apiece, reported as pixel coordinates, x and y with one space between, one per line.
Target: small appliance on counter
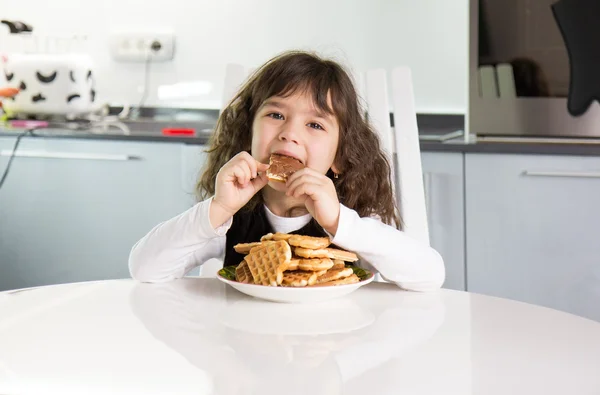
50 84
53 76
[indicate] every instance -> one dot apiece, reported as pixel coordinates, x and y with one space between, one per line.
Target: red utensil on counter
178 132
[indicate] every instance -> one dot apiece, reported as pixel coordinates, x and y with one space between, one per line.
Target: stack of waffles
287 260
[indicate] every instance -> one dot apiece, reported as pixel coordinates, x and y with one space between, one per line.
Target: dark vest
250 226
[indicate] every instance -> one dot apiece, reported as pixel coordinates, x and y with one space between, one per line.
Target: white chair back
401 144
235 75
378 113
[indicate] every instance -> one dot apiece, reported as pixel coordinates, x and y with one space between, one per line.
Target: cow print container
50 84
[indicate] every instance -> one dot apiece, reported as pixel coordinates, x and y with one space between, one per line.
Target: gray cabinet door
444 190
193 159
73 209
532 230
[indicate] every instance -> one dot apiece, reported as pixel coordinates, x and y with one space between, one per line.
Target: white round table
199 336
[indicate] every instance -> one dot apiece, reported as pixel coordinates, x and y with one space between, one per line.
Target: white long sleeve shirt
180 244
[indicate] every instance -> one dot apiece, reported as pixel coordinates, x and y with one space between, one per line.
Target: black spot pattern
9 76
46 79
93 95
22 86
37 98
72 97
72 75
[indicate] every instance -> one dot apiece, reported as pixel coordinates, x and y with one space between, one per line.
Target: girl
306 107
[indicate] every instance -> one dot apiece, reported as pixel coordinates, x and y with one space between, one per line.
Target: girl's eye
275 115
315 126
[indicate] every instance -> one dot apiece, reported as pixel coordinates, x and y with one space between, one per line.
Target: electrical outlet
138 46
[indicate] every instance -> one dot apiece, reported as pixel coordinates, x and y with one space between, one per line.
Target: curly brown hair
364 183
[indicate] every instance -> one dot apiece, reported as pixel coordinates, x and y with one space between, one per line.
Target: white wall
431 36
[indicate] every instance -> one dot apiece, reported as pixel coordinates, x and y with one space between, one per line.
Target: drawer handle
569 174
68 155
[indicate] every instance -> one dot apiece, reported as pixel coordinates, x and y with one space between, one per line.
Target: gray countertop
148 132
517 146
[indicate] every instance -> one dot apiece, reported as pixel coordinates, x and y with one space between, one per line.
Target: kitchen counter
440 133
199 139
517 146
509 146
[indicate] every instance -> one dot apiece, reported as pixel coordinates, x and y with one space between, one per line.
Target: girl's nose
289 134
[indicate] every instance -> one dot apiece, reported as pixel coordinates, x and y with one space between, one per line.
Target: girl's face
293 126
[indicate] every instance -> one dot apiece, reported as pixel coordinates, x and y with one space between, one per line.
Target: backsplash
430 36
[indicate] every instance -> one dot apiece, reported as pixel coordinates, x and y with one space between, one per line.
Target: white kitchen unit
444 189
532 229
71 209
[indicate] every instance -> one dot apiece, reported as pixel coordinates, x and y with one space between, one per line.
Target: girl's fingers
306 189
260 181
262 166
249 161
237 175
242 173
254 165
303 179
304 172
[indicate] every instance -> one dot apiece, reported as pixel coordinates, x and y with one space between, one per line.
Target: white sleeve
399 258
176 246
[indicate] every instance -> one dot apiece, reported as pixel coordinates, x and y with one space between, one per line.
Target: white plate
296 295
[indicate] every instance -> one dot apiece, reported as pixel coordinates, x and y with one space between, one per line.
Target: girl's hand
320 197
237 182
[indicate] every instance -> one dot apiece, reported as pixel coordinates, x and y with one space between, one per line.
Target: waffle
276 236
335 274
313 243
261 245
267 263
310 253
315 265
342 255
293 264
344 281
332 253
282 166
270 262
243 273
299 278
244 248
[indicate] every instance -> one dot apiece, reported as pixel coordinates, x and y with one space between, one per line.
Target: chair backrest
401 143
235 75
